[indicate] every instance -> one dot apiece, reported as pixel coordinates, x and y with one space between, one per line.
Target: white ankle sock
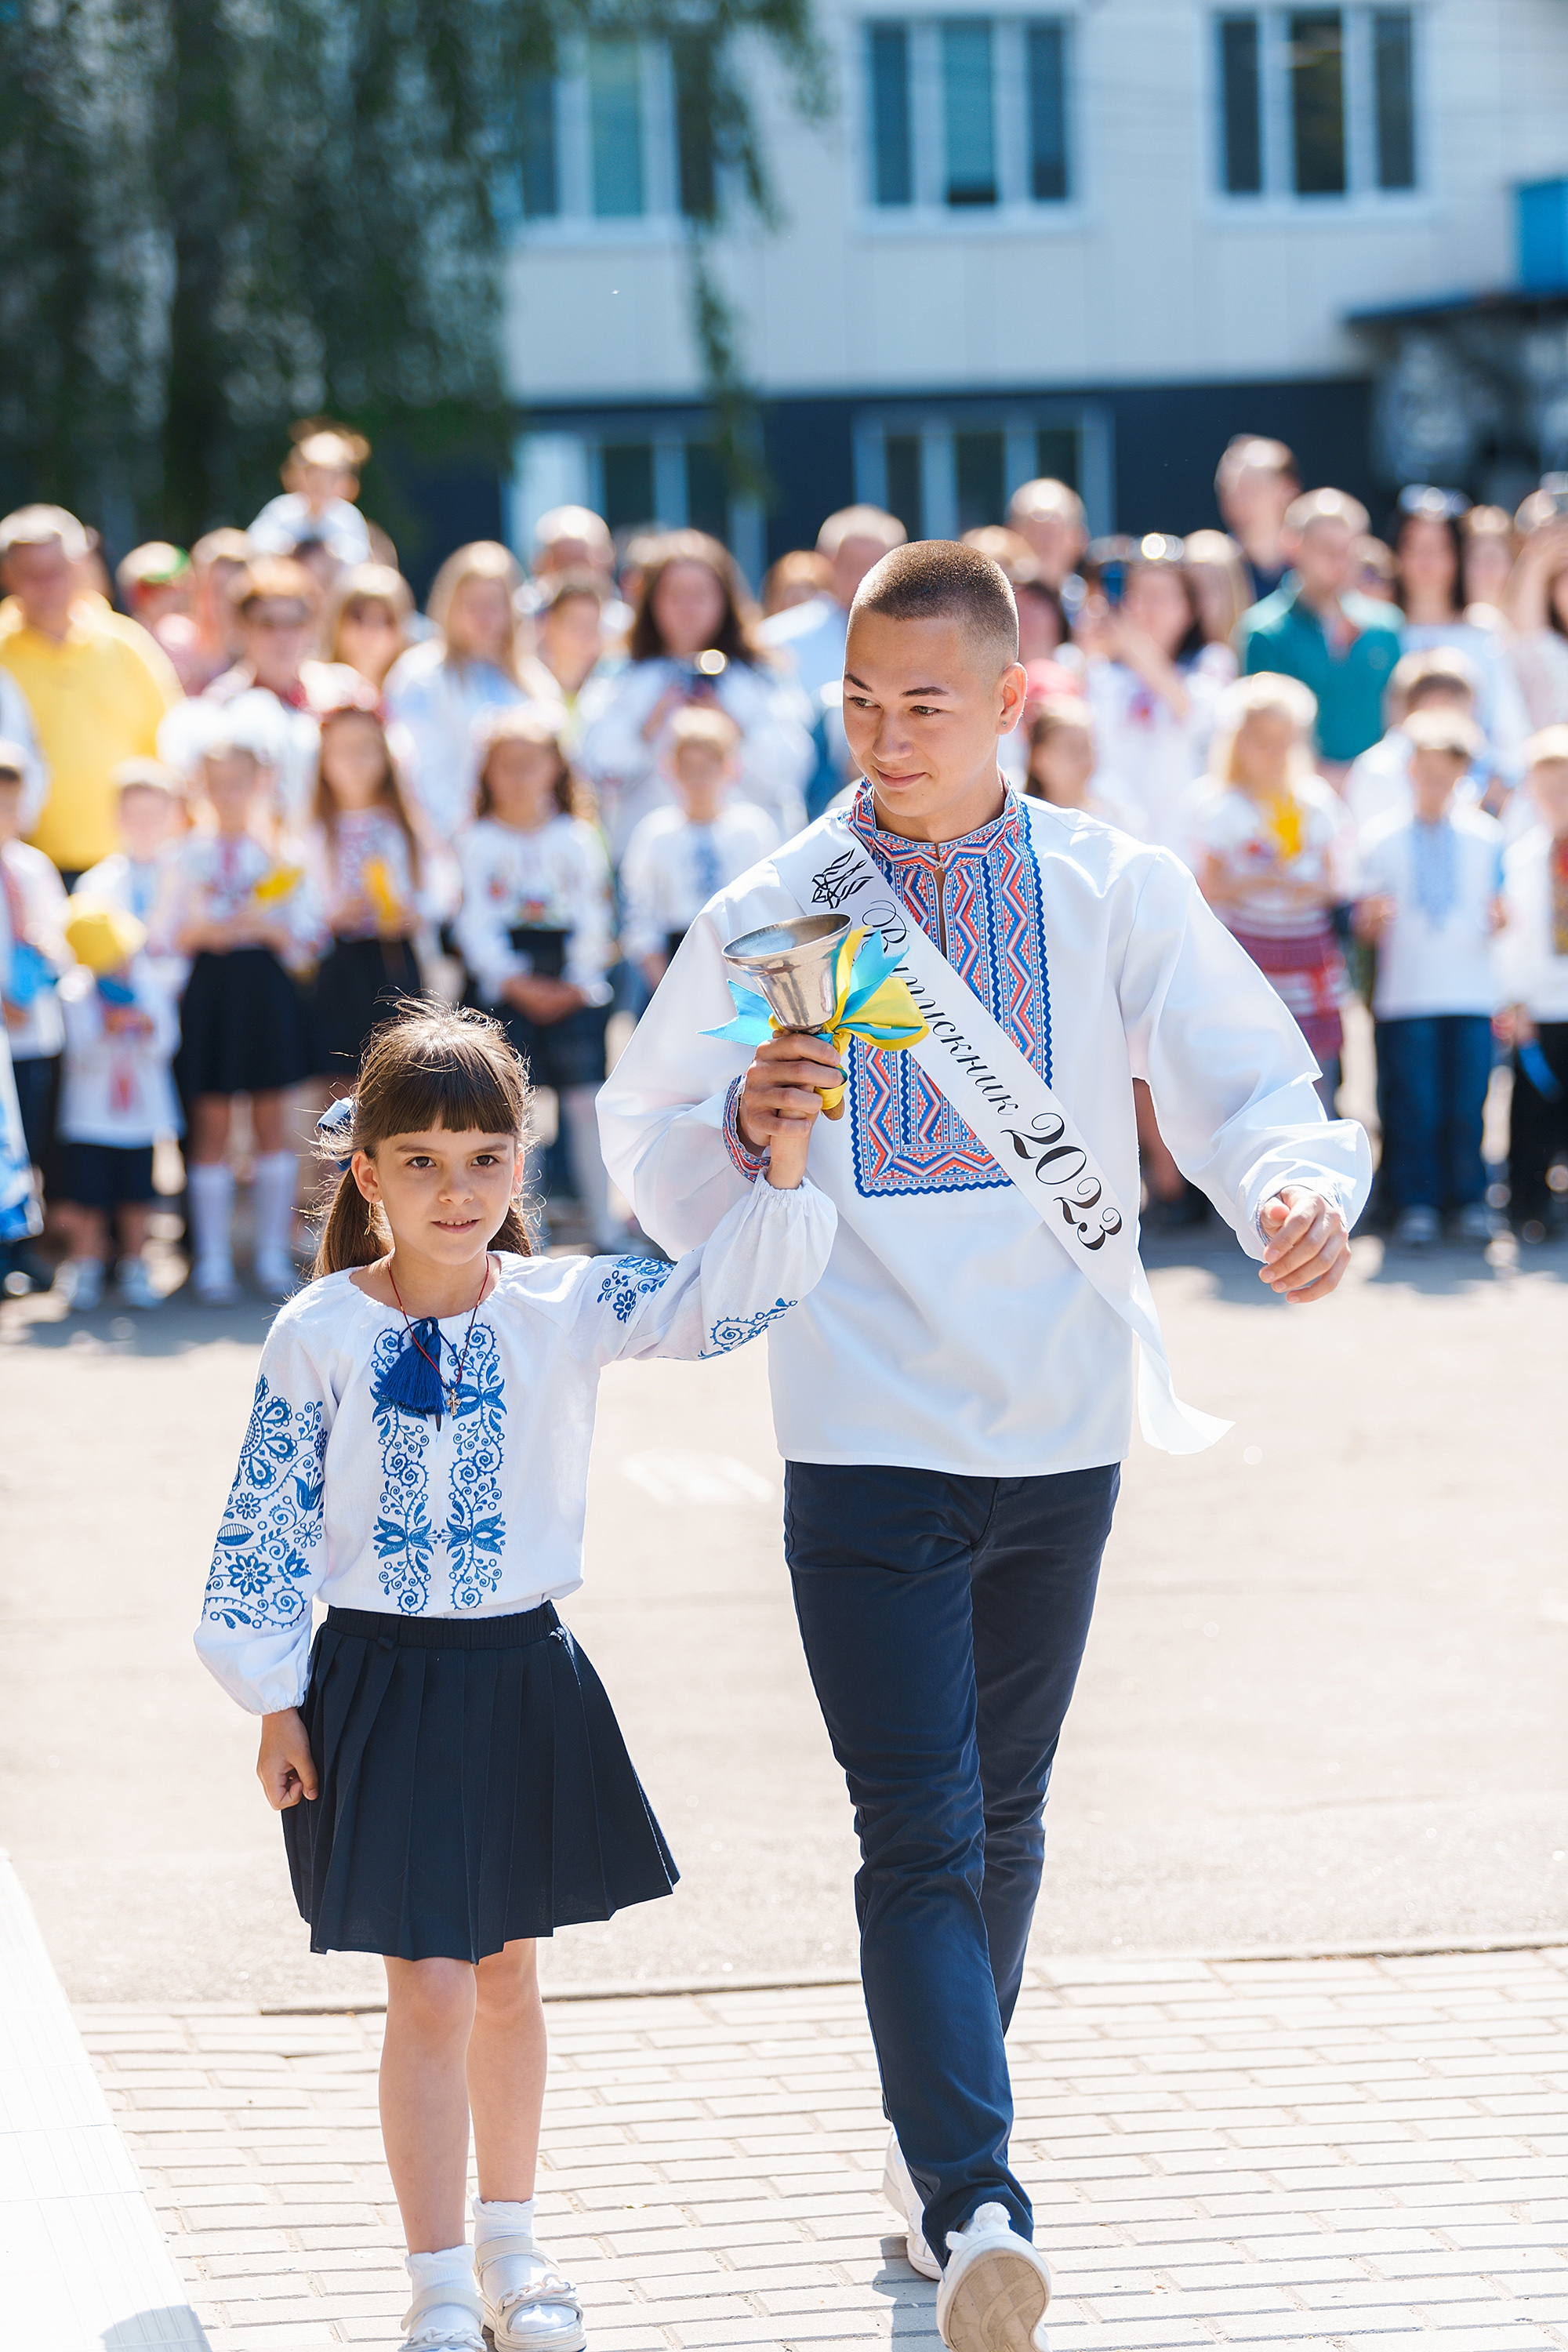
450 2267
211 1193
273 1182
450 2272
516 2218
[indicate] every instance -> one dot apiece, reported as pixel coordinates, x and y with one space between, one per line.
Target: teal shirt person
1285 634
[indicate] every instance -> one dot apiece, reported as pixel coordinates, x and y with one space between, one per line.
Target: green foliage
216 216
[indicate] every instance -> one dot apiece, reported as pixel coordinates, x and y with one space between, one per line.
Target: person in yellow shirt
96 684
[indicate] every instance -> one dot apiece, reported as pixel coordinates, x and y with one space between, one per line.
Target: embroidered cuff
749 1163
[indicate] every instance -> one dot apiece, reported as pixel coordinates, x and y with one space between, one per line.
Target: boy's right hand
782 1088
285 1767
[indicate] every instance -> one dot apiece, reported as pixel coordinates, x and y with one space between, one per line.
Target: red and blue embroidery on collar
908 1140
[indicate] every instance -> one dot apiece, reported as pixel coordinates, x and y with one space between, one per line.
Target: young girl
1268 837
535 930
363 861
1064 766
453 1782
243 913
1151 688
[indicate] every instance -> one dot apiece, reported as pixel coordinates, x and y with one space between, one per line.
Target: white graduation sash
1002 1097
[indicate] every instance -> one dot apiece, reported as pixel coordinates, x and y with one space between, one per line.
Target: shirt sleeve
666 1112
271 1554
480 928
1231 1074
763 1257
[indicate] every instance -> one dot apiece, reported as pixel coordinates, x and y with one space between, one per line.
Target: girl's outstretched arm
760 1260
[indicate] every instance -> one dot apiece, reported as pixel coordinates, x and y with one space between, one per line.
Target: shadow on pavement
175 1329
1450 1271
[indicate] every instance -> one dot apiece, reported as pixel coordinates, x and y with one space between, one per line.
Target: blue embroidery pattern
907 1138
476 1526
403 1534
734 1330
273 1525
629 1279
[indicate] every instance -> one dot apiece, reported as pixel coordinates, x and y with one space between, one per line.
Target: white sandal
517 2278
447 2296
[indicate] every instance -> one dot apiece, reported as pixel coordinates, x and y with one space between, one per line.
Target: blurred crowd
250 794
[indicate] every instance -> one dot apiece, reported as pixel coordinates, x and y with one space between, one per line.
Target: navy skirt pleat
474 1789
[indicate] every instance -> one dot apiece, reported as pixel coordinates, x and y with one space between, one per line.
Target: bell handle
835 1111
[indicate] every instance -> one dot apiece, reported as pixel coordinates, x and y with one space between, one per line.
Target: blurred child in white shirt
678 858
32 958
1430 901
117 1097
1064 766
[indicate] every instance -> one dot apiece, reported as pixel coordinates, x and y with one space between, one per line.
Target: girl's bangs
465 1094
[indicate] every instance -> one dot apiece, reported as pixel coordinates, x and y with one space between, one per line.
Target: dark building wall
1166 439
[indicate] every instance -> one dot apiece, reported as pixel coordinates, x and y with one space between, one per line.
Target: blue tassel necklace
412 1379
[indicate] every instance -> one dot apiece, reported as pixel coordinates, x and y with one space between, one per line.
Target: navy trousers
1432 1075
943 1620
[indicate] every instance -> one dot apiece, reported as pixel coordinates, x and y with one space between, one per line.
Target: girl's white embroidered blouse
364 1506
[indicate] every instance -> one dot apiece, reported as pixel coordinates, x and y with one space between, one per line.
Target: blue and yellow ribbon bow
873 1004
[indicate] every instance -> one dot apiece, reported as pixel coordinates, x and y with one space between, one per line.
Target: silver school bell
794 965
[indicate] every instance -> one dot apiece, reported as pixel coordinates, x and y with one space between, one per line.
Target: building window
614 128
1316 103
659 472
951 468
968 111
540 171
1393 88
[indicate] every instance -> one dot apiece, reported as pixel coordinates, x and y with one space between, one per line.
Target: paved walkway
1341 2153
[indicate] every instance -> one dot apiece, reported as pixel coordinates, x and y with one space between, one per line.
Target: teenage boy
1533 959
954 1408
1431 902
1317 627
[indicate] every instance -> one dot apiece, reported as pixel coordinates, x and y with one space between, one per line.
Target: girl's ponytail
354 1234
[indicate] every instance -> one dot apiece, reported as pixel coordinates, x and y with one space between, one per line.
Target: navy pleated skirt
474 1789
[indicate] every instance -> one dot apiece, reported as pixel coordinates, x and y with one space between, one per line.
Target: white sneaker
905 2200
133 1280
1417 1229
80 1282
212 1279
277 1276
996 2288
528 2305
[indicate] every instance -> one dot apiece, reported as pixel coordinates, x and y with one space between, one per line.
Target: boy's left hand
1307 1244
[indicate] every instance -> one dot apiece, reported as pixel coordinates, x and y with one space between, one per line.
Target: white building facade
1090 240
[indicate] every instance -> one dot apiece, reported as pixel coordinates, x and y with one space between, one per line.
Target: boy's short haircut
231 747
1253 453
147 776
1548 749
942 580
1045 497
1442 670
157 563
859 522
1328 506
36 525
704 726
1447 731
223 546
590 585
269 576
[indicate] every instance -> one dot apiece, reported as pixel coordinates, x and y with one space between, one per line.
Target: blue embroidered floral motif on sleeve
273 1523
403 1538
476 1529
629 1279
734 1330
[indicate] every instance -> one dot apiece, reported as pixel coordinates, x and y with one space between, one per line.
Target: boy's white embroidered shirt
556 879
116 1087
1425 966
1530 970
364 1505
672 868
950 1332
